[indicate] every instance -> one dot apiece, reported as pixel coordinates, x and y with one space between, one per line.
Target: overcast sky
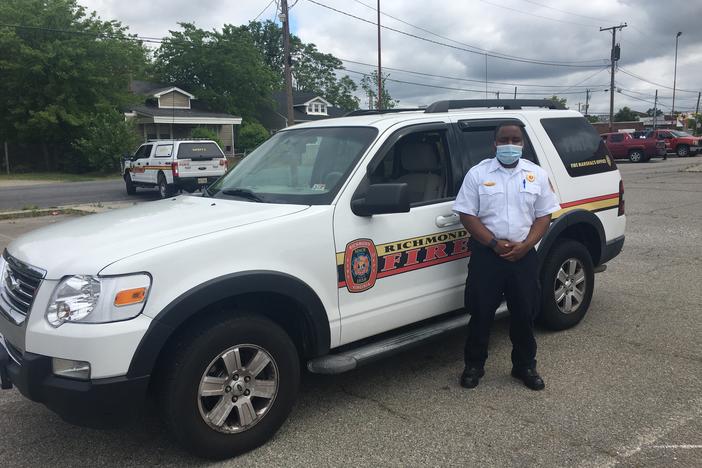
561 31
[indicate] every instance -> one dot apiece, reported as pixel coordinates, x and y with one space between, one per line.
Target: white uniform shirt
507 201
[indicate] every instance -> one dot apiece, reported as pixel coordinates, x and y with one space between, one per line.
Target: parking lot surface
623 388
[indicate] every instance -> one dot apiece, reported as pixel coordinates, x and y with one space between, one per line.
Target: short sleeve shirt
507 201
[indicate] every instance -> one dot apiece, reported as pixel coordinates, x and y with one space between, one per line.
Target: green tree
107 137
625 115
65 66
206 133
649 112
251 135
312 70
559 100
222 68
593 118
369 85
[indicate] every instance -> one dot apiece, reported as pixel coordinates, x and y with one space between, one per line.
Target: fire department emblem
360 265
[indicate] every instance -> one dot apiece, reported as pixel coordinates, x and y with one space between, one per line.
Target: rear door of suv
200 160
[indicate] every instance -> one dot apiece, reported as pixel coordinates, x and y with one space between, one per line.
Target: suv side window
144 152
420 160
580 147
163 151
139 153
616 138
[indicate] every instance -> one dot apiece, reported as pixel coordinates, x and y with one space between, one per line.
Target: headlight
94 299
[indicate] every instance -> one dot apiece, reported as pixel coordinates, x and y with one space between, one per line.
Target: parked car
625 146
331 245
681 143
174 165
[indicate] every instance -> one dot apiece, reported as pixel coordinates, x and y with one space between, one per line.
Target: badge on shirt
489 183
530 177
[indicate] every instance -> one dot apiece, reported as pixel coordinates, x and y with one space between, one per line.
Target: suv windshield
305 166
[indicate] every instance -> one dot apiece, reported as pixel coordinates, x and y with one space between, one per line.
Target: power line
262 11
634 75
414 72
538 16
564 11
489 54
455 41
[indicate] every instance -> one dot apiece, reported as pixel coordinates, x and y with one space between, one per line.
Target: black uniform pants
489 278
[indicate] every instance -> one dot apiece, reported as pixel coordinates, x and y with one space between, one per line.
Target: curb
59 210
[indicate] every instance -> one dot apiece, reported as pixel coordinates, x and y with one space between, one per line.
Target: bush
106 139
207 134
251 135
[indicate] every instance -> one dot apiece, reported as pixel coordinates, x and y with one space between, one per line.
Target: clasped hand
511 251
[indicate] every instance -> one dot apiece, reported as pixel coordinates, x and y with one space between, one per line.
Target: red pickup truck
625 146
681 143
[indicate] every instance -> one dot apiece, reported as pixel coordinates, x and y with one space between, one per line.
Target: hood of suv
86 245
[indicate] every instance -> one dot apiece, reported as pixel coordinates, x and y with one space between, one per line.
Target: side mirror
382 199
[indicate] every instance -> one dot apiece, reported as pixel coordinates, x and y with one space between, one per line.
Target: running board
352 358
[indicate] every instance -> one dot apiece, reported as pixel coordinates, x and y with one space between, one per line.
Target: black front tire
553 316
131 188
682 151
178 385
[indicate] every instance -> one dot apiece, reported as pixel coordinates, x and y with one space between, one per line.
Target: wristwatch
492 243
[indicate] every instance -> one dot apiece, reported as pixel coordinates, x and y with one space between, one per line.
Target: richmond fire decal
363 262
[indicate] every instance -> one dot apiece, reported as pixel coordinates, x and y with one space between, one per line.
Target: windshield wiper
243 193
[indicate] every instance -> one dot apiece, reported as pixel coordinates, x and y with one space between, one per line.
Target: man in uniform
505 204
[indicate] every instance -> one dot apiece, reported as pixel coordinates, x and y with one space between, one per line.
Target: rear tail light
223 162
174 168
621 199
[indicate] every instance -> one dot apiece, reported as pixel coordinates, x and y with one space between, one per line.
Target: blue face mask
508 154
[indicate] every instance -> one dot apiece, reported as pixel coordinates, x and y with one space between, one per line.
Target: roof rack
507 104
382 111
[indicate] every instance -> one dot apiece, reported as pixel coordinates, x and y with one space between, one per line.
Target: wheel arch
580 225
253 291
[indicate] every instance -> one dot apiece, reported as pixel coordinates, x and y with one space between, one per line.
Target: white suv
327 236
174 165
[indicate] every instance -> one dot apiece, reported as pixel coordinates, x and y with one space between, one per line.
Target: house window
317 108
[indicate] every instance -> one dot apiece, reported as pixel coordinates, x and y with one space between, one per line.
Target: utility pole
285 18
587 101
515 92
675 75
614 57
380 73
697 109
498 95
578 107
486 92
655 109
7 155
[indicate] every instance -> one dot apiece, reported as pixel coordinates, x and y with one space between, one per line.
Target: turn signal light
130 296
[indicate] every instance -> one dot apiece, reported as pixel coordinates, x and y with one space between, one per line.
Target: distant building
306 107
170 112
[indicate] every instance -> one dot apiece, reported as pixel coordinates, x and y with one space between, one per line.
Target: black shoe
530 378
471 377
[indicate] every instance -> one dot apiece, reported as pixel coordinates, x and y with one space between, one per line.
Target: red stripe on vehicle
589 200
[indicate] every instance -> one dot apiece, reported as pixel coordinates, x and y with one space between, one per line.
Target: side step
352 358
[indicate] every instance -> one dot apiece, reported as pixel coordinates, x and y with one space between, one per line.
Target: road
623 388
69 193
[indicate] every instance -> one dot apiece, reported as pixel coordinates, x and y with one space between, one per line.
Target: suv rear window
578 144
199 151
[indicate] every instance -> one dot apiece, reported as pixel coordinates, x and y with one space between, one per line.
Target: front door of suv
140 164
399 268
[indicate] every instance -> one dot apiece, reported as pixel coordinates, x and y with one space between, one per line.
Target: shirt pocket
529 192
492 198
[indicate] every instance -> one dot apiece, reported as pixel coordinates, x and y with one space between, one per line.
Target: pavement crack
380 404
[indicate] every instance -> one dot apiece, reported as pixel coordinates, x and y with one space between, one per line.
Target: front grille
18 287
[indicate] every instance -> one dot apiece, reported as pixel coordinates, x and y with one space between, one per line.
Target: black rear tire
555 313
131 188
179 383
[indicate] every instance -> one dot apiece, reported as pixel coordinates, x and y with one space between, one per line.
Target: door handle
449 220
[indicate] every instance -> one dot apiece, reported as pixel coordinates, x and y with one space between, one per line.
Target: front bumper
96 403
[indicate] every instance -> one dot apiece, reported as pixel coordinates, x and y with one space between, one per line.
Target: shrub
107 137
207 134
251 135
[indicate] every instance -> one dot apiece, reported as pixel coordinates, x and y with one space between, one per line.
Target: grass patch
59 176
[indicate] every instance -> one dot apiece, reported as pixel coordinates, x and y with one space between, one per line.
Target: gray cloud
647 44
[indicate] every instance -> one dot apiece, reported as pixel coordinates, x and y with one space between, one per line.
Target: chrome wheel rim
570 285
635 156
238 388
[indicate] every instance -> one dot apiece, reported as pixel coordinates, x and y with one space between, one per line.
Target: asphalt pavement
69 193
623 388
